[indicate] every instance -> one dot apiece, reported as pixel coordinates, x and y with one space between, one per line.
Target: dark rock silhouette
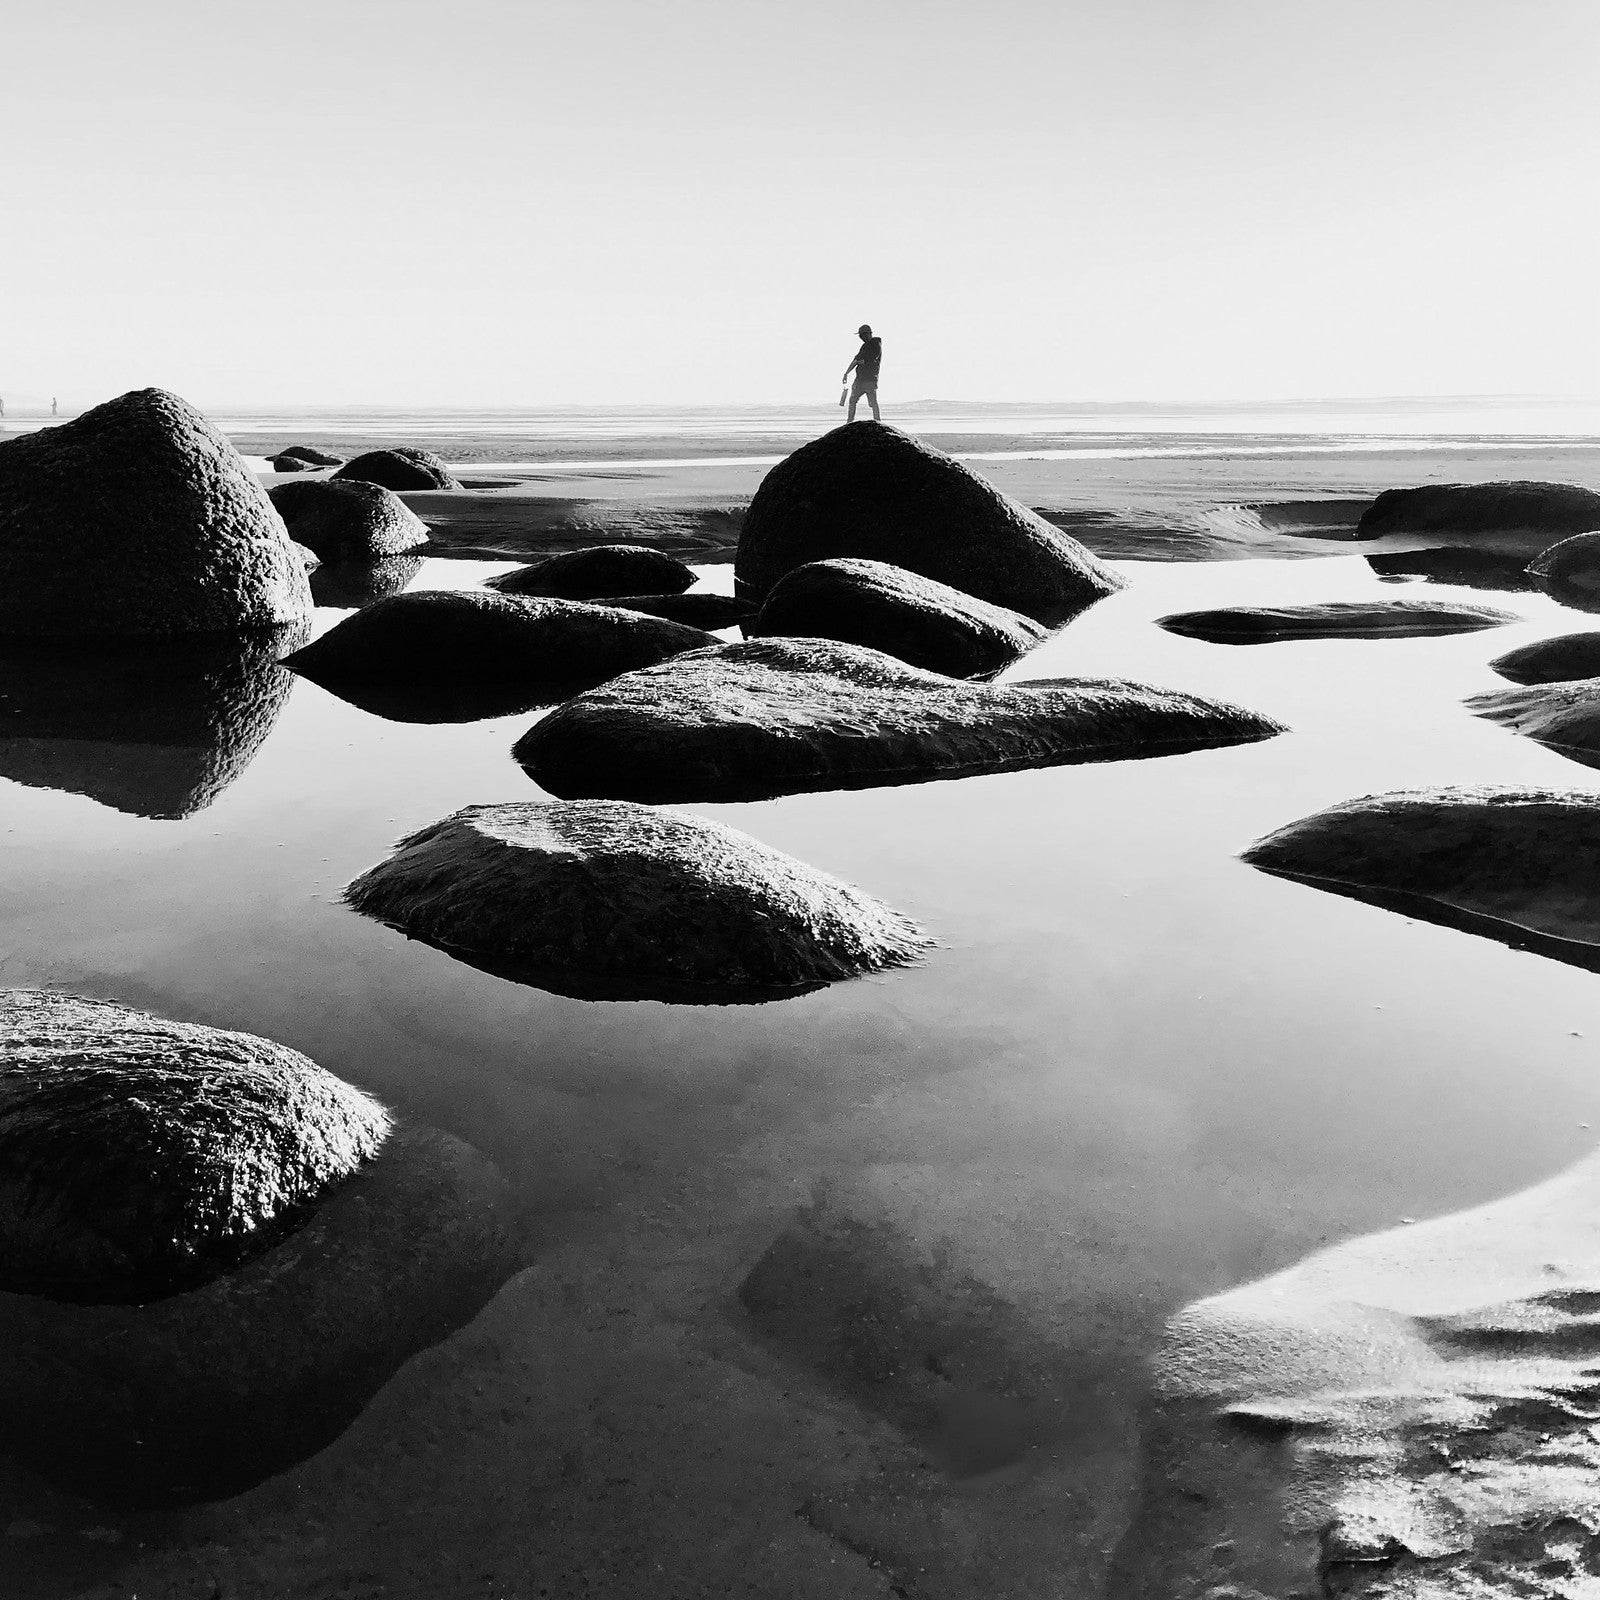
157 730
399 468
608 901
1564 717
508 644
348 521
142 1157
886 608
608 569
1525 517
1333 619
698 610
349 585
1570 564
784 716
1569 655
308 455
139 519
1456 564
1520 866
869 490
290 464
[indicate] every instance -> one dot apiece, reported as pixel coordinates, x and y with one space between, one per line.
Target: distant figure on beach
52 405
865 366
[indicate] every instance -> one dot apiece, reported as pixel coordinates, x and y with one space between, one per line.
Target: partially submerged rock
1572 563
348 520
605 900
310 455
783 716
436 639
1569 655
869 490
290 464
1408 1415
1564 717
923 622
1521 866
1333 619
349 585
153 730
139 519
139 1157
1510 516
595 574
698 610
399 468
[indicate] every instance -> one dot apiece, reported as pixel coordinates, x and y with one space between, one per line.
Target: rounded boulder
348 520
399 468
595 574
1520 516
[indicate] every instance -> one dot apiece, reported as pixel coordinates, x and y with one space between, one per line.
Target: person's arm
851 368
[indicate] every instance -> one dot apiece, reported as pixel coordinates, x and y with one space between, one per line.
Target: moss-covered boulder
605 900
349 585
699 609
1521 516
156 730
348 520
399 468
1570 563
783 716
139 519
886 608
1568 655
1564 717
595 574
1333 619
307 454
1521 866
871 491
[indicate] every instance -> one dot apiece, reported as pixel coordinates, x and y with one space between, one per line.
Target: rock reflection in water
153 729
1460 565
349 585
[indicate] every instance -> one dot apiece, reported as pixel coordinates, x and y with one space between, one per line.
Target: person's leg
855 395
872 400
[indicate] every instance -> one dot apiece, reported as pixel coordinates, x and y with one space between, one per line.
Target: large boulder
348 521
215 1251
1564 717
399 468
600 572
308 455
868 490
886 608
139 519
1569 655
605 900
700 609
783 716
1515 865
157 730
1523 518
1569 564
1333 619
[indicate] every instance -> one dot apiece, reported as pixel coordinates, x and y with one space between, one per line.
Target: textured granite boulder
868 490
141 1156
1510 516
605 900
783 716
307 455
1521 866
349 585
215 1252
154 729
1572 563
139 519
1333 619
886 608
595 574
399 468
349 520
1564 717
1569 655
698 610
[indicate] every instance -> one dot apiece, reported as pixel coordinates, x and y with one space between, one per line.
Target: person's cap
865 331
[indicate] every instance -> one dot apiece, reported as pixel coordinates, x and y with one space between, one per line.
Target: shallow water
1134 1072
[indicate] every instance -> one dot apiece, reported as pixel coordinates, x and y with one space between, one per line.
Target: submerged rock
309 455
1333 619
1511 516
1521 866
1564 717
1569 655
142 1156
783 716
886 608
869 490
605 900
595 574
437 639
153 730
1572 564
348 521
1404 1415
139 519
698 610
399 468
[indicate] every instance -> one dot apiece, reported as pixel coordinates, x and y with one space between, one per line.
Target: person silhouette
865 366
52 405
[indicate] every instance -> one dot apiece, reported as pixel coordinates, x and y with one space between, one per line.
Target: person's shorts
866 385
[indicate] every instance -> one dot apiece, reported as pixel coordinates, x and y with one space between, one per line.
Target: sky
503 202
